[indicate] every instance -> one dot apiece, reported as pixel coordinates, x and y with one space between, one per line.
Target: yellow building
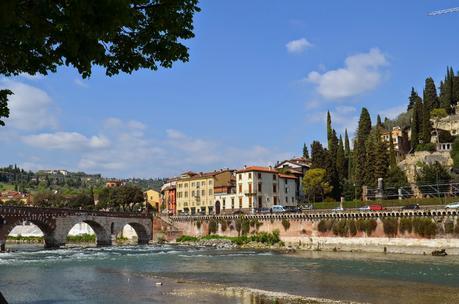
153 198
195 191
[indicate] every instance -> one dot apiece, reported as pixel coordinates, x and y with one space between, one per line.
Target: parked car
364 208
411 207
292 209
307 207
238 212
338 209
263 210
376 207
278 209
454 205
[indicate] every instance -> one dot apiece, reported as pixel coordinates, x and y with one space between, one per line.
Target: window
274 176
259 187
240 202
250 202
286 189
210 182
286 181
210 191
275 200
203 183
240 176
240 188
232 203
186 193
192 193
250 188
259 175
203 192
293 199
274 188
250 175
286 199
192 184
260 200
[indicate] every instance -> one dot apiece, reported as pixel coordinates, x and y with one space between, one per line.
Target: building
168 196
114 183
297 167
400 140
195 191
263 187
16 196
152 197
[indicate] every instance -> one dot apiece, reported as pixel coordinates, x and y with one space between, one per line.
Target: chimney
245 166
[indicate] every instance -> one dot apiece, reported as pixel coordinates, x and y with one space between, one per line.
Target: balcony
250 193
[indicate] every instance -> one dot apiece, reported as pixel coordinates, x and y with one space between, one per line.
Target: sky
261 77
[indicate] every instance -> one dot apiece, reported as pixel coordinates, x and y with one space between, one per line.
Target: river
131 274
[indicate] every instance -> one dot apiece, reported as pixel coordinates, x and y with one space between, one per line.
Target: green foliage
286 224
390 226
315 184
429 147
186 238
26 239
406 225
433 174
305 151
318 155
416 121
325 225
223 225
360 154
456 227
82 238
4 111
366 225
198 224
449 227
455 152
425 227
395 178
124 198
213 226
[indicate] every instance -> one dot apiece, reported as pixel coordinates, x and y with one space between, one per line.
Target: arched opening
19 233
133 233
88 232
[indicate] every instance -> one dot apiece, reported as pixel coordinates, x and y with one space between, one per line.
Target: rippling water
127 274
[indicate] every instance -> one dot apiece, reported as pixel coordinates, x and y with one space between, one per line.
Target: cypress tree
341 160
370 160
455 89
446 91
381 159
347 147
305 151
430 95
392 158
412 99
348 156
318 155
378 121
359 161
416 122
329 131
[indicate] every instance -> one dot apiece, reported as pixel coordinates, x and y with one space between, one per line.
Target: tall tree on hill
416 122
378 121
348 156
305 151
329 131
382 157
370 159
446 90
341 160
392 158
412 99
359 161
318 155
455 90
430 94
347 146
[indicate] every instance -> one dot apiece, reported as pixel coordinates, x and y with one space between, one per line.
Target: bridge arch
7 225
143 234
103 236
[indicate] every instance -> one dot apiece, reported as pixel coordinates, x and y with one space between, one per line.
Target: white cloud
393 112
65 141
32 77
81 83
298 46
30 107
343 117
362 73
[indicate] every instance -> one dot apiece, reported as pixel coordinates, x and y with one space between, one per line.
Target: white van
278 209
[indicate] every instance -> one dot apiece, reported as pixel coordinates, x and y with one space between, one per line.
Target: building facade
297 167
168 196
152 197
195 191
263 187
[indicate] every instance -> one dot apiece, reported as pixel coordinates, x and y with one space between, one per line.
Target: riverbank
329 244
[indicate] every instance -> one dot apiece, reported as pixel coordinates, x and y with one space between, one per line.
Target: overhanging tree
120 36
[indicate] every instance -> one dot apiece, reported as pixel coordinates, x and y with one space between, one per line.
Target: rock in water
441 252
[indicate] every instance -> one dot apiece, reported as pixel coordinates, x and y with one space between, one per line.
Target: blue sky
261 76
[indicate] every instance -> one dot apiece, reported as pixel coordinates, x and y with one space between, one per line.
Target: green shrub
286 224
406 225
213 226
258 225
325 225
367 226
390 226
449 227
223 225
82 238
425 227
245 226
341 228
186 238
198 224
352 227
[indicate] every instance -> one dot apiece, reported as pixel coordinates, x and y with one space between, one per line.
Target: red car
376 207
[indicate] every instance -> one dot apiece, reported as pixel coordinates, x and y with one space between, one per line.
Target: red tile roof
257 169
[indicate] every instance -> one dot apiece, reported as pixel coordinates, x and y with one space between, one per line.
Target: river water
129 274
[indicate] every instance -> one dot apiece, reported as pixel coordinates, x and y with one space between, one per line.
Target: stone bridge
56 223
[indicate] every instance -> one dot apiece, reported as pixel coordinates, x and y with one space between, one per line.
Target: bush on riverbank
213 226
348 227
262 237
425 227
25 239
406 225
286 224
390 226
82 238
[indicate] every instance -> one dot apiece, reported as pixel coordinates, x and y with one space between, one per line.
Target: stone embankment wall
414 231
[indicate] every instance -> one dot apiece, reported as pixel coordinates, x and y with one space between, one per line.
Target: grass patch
82 238
425 227
26 239
186 238
262 237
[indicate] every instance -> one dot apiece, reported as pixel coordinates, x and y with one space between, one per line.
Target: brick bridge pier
56 224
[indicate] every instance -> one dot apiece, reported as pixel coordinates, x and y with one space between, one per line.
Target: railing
68 211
